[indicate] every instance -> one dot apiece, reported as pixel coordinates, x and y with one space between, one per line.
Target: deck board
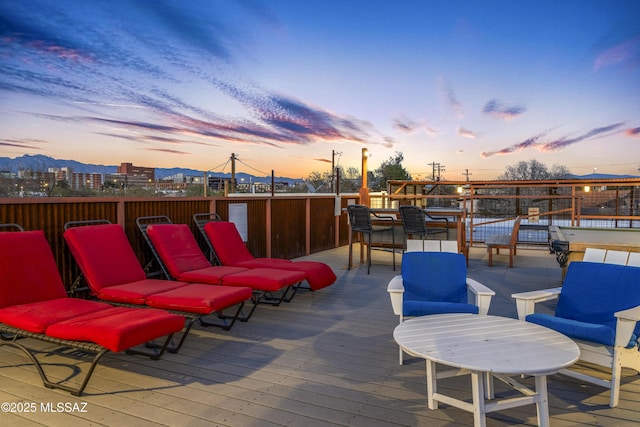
327 358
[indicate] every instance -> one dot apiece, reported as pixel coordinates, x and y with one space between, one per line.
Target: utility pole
333 167
205 183
334 171
433 170
440 169
466 173
233 172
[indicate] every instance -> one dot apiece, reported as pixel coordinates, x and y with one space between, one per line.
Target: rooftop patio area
326 358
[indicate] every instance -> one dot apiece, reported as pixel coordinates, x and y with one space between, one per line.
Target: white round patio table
487 347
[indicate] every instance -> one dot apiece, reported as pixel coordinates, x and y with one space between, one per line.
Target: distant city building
121 180
43 179
176 178
131 170
85 181
61 174
77 180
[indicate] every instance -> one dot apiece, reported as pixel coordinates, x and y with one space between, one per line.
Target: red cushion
28 272
319 275
118 328
104 255
211 275
138 292
265 263
203 299
35 317
231 250
227 242
177 248
264 279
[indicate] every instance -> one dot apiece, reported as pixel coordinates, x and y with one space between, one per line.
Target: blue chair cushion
593 292
424 308
574 329
435 283
590 295
434 276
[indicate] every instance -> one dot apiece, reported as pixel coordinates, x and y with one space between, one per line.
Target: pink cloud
561 143
466 133
627 51
501 111
531 142
407 125
633 132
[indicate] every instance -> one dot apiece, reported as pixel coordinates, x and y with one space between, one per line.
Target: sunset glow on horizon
472 85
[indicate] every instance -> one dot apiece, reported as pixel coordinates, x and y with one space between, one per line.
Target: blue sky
472 85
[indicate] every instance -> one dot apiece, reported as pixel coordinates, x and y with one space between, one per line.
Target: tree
559 172
318 182
350 179
390 169
533 170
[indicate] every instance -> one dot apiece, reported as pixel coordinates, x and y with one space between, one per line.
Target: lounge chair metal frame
201 219
86 347
17 227
318 275
10 335
259 297
190 318
143 223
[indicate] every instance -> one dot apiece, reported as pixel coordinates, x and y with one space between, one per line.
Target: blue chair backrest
434 276
593 291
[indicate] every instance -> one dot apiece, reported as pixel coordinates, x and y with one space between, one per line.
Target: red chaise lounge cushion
114 274
231 250
118 328
179 251
33 298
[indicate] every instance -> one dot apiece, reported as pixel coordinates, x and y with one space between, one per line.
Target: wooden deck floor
326 358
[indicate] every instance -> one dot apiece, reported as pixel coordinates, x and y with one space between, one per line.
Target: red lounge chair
180 258
113 274
231 251
201 219
34 304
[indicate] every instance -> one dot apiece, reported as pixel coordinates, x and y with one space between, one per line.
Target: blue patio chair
436 283
599 308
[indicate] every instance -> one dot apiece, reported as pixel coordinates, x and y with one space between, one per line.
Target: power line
224 165
251 167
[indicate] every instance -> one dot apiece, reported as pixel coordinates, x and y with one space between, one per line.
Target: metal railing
491 206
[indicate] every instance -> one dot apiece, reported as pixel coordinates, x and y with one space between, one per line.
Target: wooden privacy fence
279 226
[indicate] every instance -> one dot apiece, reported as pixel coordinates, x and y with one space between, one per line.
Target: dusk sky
471 85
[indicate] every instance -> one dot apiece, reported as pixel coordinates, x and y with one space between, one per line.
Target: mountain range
41 163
